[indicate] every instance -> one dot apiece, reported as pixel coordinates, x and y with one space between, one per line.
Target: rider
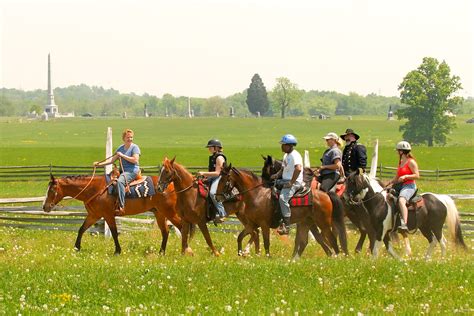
129 155
354 155
216 163
331 169
404 180
292 179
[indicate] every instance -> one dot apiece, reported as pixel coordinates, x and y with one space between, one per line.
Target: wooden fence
42 172
70 218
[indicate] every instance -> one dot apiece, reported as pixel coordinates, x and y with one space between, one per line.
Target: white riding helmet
403 145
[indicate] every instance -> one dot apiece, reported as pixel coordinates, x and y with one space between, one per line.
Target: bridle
229 186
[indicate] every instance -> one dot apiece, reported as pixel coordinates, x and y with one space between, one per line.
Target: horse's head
357 185
167 174
53 195
270 167
226 183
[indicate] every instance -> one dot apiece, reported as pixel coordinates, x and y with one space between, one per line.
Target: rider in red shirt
407 172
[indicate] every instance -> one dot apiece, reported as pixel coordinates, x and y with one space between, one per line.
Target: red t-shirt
405 170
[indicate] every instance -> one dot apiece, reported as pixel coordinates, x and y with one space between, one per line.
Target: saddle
139 188
413 205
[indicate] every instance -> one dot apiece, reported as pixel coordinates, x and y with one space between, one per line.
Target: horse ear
230 166
263 157
172 160
51 176
360 171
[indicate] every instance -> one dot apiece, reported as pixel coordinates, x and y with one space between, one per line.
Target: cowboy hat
350 131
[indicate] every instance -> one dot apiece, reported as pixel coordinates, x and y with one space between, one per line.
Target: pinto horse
92 191
191 207
429 217
272 166
259 210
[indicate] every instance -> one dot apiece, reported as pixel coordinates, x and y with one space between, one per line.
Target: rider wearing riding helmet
331 169
291 178
216 163
404 180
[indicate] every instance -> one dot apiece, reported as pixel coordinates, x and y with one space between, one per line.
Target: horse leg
389 246
256 241
110 219
88 222
317 235
431 239
302 230
207 236
266 239
161 221
330 239
406 241
185 249
360 243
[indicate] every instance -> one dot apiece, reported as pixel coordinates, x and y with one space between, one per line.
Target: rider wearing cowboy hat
354 155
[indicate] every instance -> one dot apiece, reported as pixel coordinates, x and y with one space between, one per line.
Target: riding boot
403 226
284 228
119 211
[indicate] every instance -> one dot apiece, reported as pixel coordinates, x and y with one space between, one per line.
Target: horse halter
162 185
52 204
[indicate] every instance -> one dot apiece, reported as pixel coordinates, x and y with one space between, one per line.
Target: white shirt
289 162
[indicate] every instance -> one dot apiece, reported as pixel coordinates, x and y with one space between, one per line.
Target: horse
259 210
429 216
91 191
272 166
191 207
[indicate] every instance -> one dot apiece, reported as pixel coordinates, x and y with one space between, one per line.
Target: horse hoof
77 249
216 253
117 253
188 252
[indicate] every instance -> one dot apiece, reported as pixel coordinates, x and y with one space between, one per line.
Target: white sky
205 48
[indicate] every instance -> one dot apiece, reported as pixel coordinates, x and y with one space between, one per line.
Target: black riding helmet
214 143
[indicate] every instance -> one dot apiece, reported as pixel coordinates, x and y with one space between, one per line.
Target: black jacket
354 157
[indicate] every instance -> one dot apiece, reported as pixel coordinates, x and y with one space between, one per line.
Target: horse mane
249 173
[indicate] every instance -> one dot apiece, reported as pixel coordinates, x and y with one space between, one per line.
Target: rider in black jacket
354 155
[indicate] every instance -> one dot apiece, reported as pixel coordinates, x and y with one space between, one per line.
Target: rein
93 174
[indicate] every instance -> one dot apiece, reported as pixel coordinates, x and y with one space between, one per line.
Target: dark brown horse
272 166
259 210
92 191
191 207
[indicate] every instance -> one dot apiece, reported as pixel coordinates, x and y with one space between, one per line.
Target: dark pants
328 181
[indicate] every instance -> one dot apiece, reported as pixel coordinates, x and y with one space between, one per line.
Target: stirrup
120 212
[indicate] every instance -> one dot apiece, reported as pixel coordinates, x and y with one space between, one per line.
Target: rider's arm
106 162
414 168
296 173
335 166
219 164
133 159
278 174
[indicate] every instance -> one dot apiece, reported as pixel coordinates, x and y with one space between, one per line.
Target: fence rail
42 172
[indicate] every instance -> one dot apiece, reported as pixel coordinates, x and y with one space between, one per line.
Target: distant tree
6 107
428 93
284 94
257 99
36 108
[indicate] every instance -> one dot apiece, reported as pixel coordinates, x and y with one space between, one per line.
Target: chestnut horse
272 166
92 191
191 207
259 210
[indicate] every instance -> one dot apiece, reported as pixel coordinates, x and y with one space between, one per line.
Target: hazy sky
206 48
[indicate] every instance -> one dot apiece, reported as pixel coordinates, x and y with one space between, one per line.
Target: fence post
50 168
108 169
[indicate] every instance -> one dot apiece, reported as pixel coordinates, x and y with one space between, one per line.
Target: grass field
41 273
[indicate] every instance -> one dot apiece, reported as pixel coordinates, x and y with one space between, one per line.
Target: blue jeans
285 196
212 194
130 176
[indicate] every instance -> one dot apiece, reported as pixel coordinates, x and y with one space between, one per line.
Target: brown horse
92 191
259 210
191 207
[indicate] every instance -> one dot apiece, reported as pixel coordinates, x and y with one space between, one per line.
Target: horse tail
338 220
452 220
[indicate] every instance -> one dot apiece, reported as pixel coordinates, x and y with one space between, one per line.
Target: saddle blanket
141 190
305 200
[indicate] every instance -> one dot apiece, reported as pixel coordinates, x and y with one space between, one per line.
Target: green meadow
40 273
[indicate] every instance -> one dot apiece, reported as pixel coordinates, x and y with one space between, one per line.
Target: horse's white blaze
46 196
362 194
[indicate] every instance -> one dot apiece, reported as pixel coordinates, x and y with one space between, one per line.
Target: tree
257 100
285 93
428 93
